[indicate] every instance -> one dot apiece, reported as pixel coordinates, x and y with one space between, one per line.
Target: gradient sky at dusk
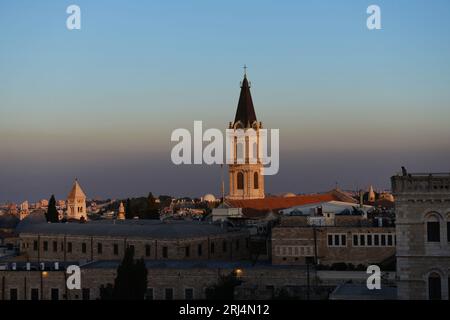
352 105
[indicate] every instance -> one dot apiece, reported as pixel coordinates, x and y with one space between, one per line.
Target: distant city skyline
99 104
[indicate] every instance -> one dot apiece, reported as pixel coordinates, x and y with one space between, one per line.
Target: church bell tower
246 180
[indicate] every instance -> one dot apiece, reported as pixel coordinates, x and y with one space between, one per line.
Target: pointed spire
371 195
76 191
245 111
121 214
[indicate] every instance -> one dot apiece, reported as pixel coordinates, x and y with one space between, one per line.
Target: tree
224 289
152 211
131 280
107 292
128 214
52 214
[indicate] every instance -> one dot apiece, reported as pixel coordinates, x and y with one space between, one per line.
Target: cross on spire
245 70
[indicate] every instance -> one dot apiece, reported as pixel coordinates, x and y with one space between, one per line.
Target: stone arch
238 125
432 213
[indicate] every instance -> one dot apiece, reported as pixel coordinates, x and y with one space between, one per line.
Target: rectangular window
149 294
237 245
13 294
45 245
116 249
69 247
83 247
86 294
187 251
383 239
362 239
224 246
131 247
390 240
147 250
330 240
54 294
34 294
336 239
212 248
35 245
99 248
355 240
343 240
433 231
448 235
369 239
199 250
55 246
376 239
165 252
189 294
168 294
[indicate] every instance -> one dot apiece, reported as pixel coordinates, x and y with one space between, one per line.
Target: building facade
108 240
422 209
348 239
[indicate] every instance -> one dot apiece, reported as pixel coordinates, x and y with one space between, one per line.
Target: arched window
433 228
255 154
434 286
448 237
256 180
240 151
240 181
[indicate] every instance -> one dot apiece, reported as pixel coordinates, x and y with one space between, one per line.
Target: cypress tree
52 213
128 214
131 280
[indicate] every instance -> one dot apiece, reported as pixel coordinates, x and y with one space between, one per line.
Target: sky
99 104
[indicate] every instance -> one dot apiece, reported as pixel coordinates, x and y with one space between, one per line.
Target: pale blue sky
352 105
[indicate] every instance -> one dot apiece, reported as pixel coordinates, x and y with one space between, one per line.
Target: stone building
246 180
345 239
151 239
422 209
167 280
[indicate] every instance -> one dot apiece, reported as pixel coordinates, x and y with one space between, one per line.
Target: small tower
121 214
76 203
246 180
371 195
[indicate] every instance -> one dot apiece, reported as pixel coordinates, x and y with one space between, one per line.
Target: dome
35 217
289 195
8 221
209 198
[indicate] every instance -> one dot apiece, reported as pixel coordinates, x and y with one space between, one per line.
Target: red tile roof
278 203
